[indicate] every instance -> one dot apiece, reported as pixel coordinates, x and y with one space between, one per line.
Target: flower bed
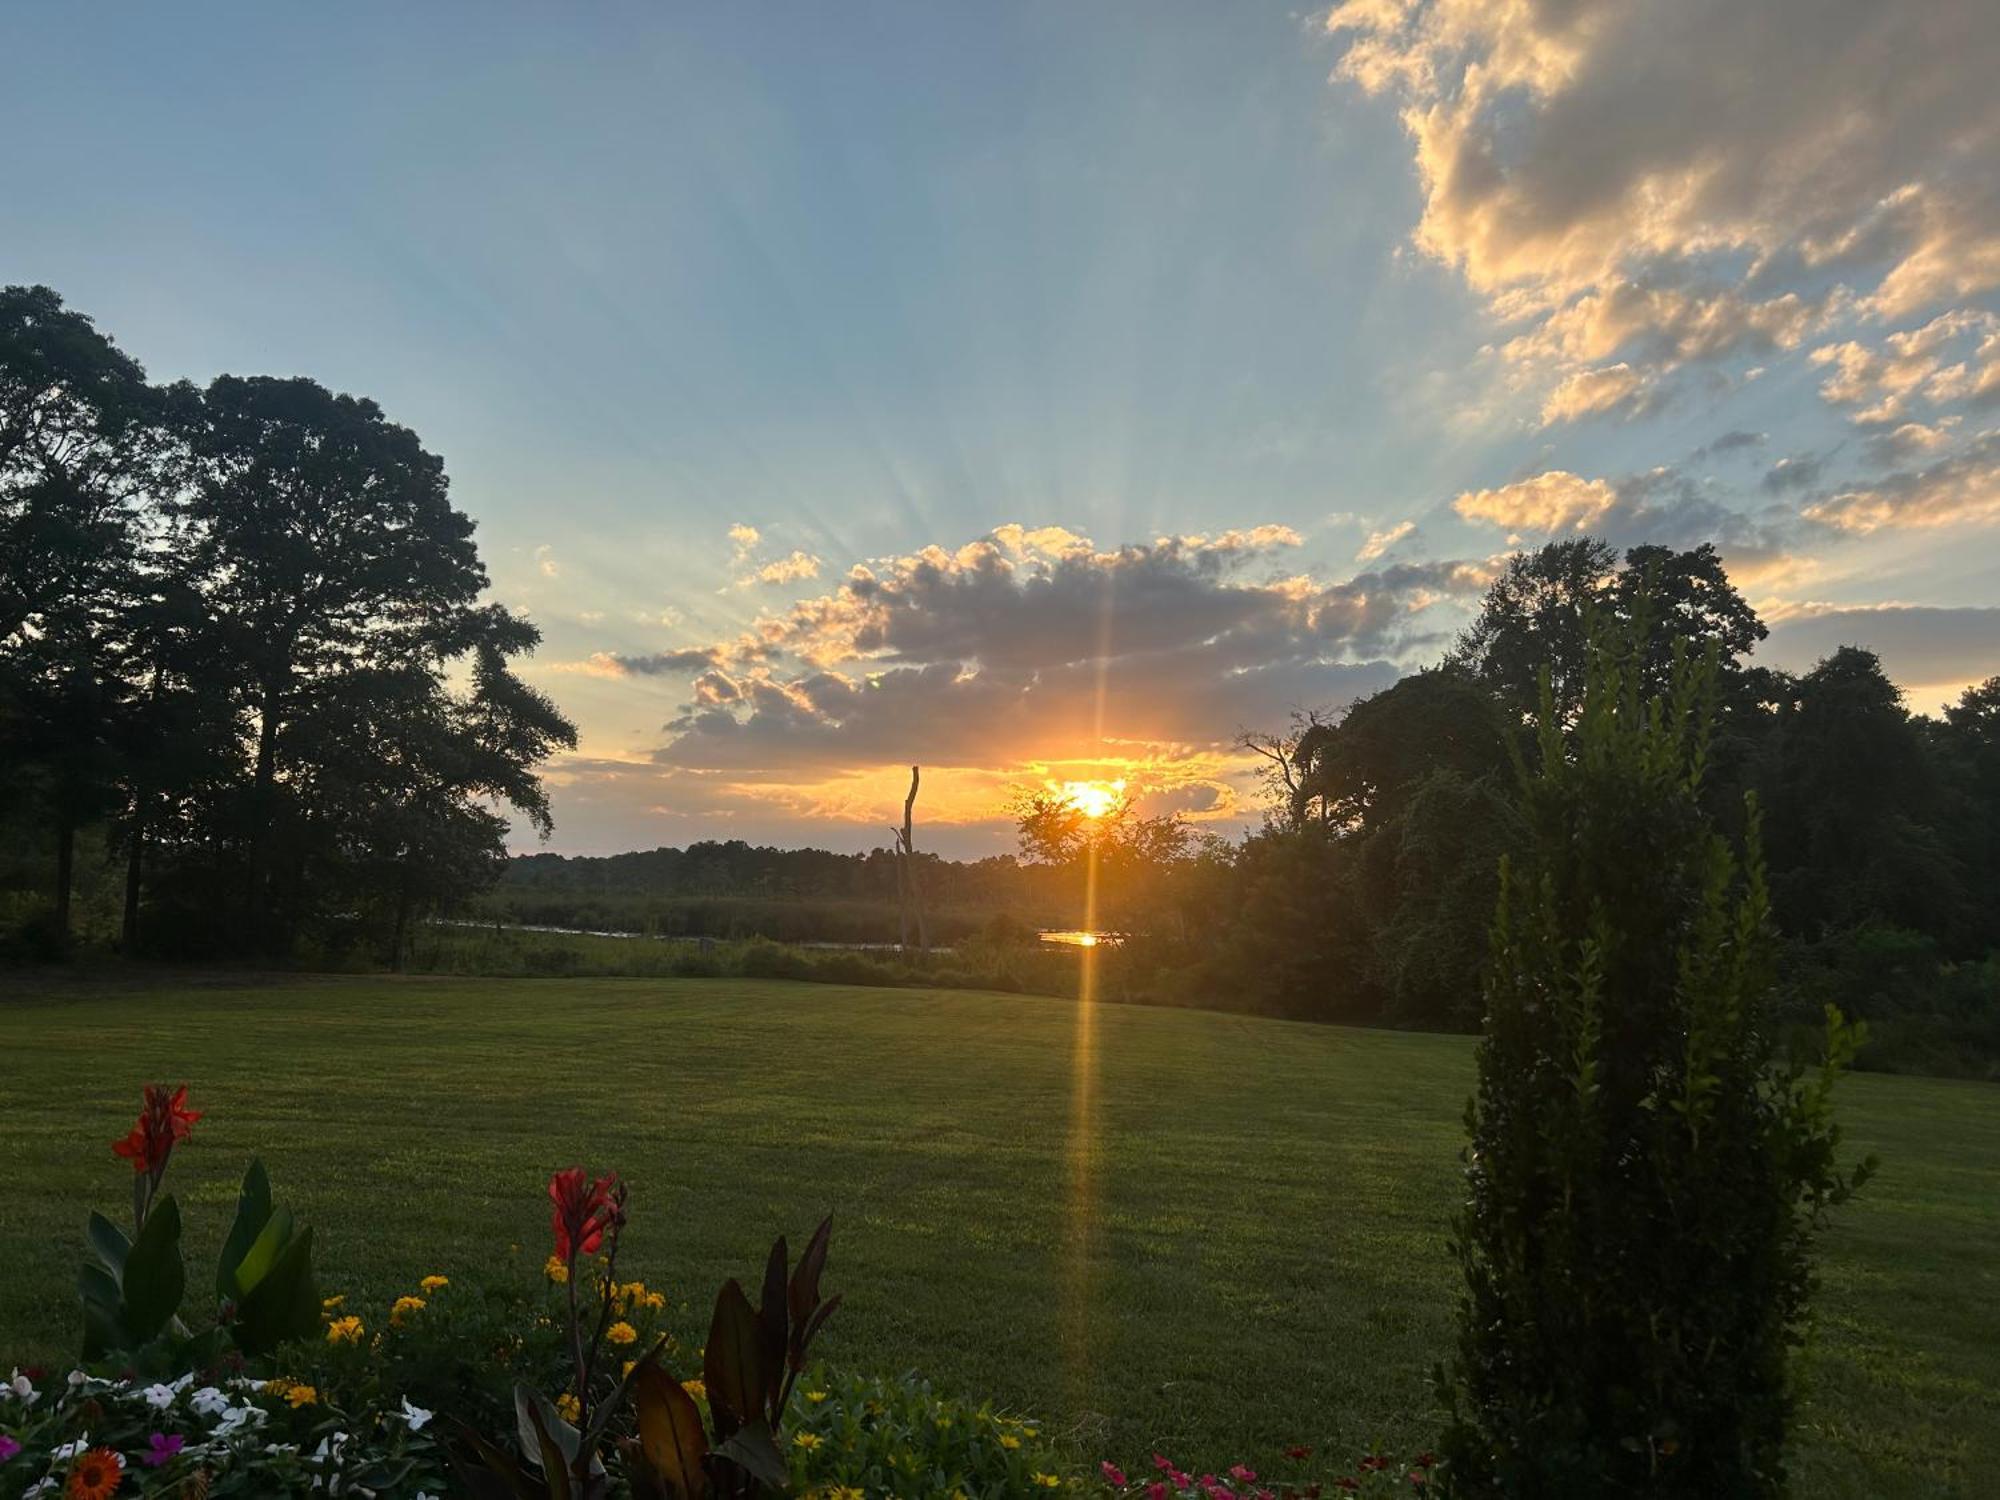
562 1383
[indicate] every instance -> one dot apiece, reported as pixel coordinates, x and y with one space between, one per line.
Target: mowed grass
1201 1234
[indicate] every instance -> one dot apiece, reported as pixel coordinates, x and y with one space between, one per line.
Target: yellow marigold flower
1008 1440
806 1440
815 1397
621 1332
1046 1481
844 1492
404 1307
302 1395
695 1388
654 1300
555 1270
1027 1432
345 1330
277 1385
568 1407
434 1283
328 1304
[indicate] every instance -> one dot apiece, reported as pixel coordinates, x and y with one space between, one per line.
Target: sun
1094 799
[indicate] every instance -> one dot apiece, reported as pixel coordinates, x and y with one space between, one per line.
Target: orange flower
96 1476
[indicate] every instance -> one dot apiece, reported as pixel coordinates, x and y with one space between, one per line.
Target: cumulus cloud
1652 183
1882 380
743 540
1961 488
1031 645
798 566
1549 502
1381 541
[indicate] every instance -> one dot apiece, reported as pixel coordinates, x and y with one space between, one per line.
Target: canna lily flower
164 1121
581 1212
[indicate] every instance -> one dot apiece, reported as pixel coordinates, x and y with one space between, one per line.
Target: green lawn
1245 1249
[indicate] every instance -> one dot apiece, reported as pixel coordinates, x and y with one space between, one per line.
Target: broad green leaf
253 1211
108 1242
755 1451
262 1254
733 1363
154 1276
671 1440
284 1304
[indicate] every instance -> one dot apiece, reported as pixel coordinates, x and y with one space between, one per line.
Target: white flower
425 1495
23 1389
208 1401
329 1449
416 1416
181 1383
68 1451
159 1397
237 1418
39 1487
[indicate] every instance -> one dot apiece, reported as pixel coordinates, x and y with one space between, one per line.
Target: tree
1853 804
80 441
325 544
1537 616
1645 1178
1969 747
1359 771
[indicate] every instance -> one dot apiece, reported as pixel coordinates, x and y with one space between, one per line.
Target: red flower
1299 1450
1374 1463
164 1121
1425 1460
582 1213
1113 1475
1347 1483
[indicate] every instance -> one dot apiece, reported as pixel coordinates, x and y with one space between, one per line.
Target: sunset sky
1051 391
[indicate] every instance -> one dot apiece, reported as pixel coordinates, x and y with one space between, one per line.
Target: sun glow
1094 799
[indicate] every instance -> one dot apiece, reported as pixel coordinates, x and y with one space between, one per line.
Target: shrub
1645 1177
879 1437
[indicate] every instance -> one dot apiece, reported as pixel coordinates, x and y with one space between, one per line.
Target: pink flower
1242 1474
160 1449
8 1447
1113 1475
1164 1464
1157 1490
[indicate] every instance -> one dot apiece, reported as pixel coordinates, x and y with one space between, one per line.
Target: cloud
1549 502
743 539
1615 388
545 561
1931 364
1917 644
1380 542
1962 488
1735 441
1801 471
792 569
1660 184
1031 646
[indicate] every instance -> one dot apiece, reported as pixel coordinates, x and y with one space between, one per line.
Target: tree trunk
135 860
910 873
260 818
65 868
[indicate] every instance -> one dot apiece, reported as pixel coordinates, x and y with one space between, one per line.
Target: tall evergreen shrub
1646 1175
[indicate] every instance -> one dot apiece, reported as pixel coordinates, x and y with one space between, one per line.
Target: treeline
251 699
734 889
1370 895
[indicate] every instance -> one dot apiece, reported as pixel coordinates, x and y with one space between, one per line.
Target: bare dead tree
909 890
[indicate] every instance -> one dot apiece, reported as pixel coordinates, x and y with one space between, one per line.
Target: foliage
1646 1178
872 1435
751 1361
132 1289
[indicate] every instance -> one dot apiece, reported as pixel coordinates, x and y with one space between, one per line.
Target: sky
1049 392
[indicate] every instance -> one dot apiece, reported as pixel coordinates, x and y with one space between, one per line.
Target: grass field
1225 1235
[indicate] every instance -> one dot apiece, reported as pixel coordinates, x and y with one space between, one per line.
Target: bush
870 1436
1646 1178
